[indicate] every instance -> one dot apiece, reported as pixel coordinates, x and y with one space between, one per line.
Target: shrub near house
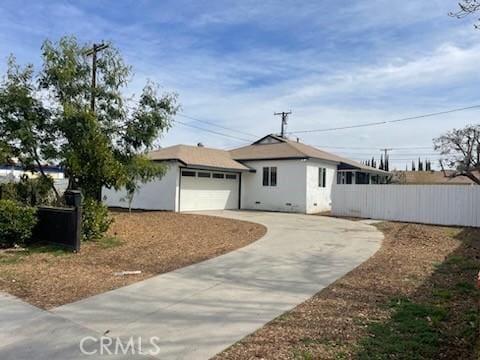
16 223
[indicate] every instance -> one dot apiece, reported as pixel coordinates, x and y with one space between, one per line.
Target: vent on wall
257 202
288 204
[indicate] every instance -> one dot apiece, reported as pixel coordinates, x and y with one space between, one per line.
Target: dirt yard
414 299
152 242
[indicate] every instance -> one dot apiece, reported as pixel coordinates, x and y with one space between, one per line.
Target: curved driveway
199 310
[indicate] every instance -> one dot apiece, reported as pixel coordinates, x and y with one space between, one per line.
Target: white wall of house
319 198
155 195
288 195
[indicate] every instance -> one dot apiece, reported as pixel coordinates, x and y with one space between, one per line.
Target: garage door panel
198 193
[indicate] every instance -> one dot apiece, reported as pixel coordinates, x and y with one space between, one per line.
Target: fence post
74 198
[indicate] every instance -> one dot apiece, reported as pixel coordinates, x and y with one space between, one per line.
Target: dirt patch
152 242
417 290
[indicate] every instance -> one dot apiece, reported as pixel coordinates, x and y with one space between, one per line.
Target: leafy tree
26 132
460 151
467 7
45 118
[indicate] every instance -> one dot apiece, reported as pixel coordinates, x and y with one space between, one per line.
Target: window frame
204 174
269 176
266 176
322 177
189 173
273 176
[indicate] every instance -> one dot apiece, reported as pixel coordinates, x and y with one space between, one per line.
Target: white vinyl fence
429 204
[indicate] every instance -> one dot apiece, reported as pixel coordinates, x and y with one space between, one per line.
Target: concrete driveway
199 310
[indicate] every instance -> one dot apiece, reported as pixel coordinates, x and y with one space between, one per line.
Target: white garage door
208 190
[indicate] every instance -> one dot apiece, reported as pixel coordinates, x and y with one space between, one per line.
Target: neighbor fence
429 204
60 225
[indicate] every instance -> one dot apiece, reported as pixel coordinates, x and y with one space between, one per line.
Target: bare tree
467 7
460 152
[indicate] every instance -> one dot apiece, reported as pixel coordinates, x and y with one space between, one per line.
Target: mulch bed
429 265
152 242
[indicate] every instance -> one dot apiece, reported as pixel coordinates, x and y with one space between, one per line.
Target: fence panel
429 204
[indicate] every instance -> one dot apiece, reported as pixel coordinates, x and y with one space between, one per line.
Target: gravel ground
152 242
426 264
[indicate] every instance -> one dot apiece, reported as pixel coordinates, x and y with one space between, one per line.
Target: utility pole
284 115
93 51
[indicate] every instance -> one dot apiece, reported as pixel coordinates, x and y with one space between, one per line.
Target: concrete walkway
199 310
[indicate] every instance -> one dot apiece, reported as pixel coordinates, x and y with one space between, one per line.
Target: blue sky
234 63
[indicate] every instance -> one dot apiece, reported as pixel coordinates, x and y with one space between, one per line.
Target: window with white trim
269 176
322 177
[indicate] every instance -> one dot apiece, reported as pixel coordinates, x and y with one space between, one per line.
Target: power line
372 147
376 123
218 126
212 131
414 158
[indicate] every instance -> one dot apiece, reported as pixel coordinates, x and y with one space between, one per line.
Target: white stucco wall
155 195
290 189
319 198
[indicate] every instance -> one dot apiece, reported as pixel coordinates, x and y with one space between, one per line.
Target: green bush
16 223
95 220
29 191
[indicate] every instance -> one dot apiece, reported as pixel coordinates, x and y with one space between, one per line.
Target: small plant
108 242
95 220
16 223
303 355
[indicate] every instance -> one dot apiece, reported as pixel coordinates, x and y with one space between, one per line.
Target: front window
273 176
322 177
269 176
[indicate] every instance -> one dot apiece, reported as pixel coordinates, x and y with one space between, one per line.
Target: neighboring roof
430 177
198 156
275 147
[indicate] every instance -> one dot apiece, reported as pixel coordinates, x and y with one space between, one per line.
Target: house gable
269 139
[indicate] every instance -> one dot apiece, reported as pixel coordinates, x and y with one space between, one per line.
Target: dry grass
153 242
381 310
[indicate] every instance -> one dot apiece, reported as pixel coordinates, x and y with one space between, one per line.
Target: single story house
273 173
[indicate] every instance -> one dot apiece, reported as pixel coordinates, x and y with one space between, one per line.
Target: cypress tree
420 165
